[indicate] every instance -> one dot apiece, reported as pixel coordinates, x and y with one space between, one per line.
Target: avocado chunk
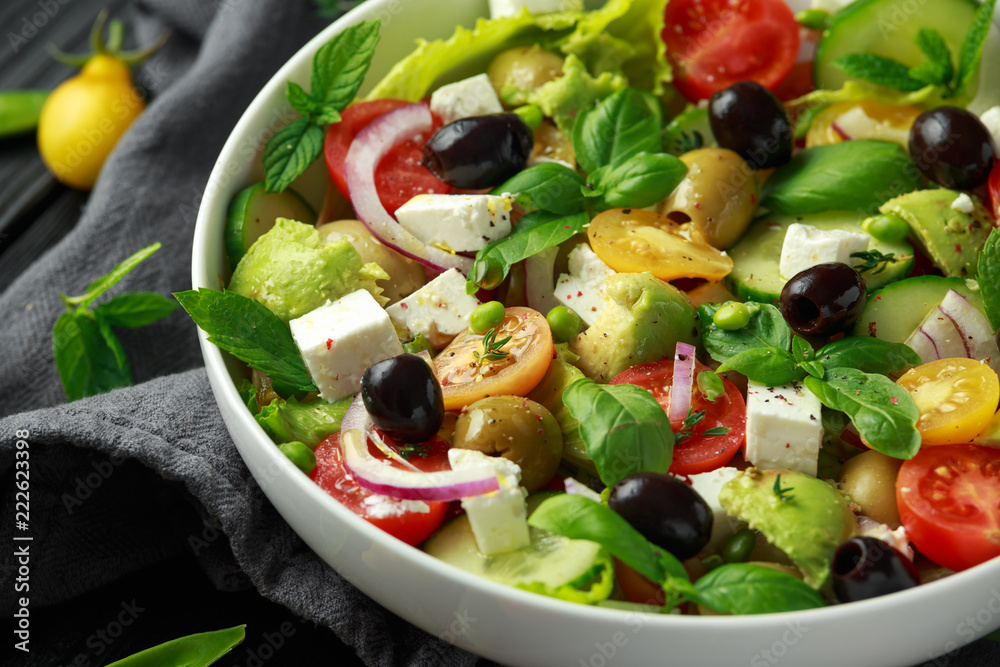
644 322
561 374
292 270
808 521
951 237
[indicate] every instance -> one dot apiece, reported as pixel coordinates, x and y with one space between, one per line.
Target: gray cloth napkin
100 466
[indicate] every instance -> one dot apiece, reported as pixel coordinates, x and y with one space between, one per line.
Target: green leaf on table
623 428
621 126
641 181
250 332
110 279
547 186
135 309
340 65
871 355
87 365
766 329
879 70
988 274
290 152
880 409
743 588
199 650
972 46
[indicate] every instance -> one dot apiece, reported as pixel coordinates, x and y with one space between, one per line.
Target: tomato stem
112 46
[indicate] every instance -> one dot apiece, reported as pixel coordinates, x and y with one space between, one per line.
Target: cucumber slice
895 311
688 131
547 564
252 212
755 274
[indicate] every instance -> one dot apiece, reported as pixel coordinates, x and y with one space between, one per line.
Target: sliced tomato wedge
712 44
949 503
404 519
400 175
695 453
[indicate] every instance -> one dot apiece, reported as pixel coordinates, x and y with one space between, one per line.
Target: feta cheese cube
582 289
784 427
806 246
499 519
457 223
441 308
991 119
963 204
474 96
342 338
708 485
501 8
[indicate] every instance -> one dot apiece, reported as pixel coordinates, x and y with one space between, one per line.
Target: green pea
734 315
487 316
299 454
531 115
889 228
738 547
564 323
813 19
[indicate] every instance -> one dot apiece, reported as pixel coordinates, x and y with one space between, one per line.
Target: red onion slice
379 476
840 131
367 149
683 384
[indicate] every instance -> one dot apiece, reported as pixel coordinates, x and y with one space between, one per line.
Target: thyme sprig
873 259
693 419
491 348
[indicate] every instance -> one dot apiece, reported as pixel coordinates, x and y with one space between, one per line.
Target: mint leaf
290 152
622 125
743 588
340 65
641 181
327 115
988 274
87 365
881 410
135 309
109 280
300 100
938 69
250 332
623 428
972 45
879 70
115 345
547 186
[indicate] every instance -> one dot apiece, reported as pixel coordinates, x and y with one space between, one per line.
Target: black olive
866 567
952 147
667 512
748 119
823 299
479 151
403 397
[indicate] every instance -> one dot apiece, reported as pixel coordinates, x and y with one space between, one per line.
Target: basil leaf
623 428
879 70
548 186
766 328
620 126
813 368
881 410
533 233
852 175
972 46
135 309
802 350
988 274
87 365
250 332
766 365
340 65
871 355
642 181
743 588
290 151
199 650
110 279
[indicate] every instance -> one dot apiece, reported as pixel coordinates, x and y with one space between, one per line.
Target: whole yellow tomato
84 118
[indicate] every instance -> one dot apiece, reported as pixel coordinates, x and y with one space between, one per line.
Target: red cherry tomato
993 185
712 44
400 175
695 453
949 503
392 516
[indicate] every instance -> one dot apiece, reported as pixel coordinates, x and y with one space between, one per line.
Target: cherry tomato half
695 453
399 175
949 503
956 399
396 517
993 185
467 374
712 44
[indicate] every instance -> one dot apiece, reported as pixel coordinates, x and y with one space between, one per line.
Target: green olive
718 195
870 480
737 548
516 71
565 324
486 316
299 454
516 428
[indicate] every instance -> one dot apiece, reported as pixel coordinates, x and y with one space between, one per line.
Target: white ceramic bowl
508 625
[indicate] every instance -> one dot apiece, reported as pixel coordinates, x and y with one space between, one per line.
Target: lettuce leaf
562 98
308 423
927 97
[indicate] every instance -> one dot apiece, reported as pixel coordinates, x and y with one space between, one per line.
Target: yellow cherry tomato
84 118
634 241
956 399
863 119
